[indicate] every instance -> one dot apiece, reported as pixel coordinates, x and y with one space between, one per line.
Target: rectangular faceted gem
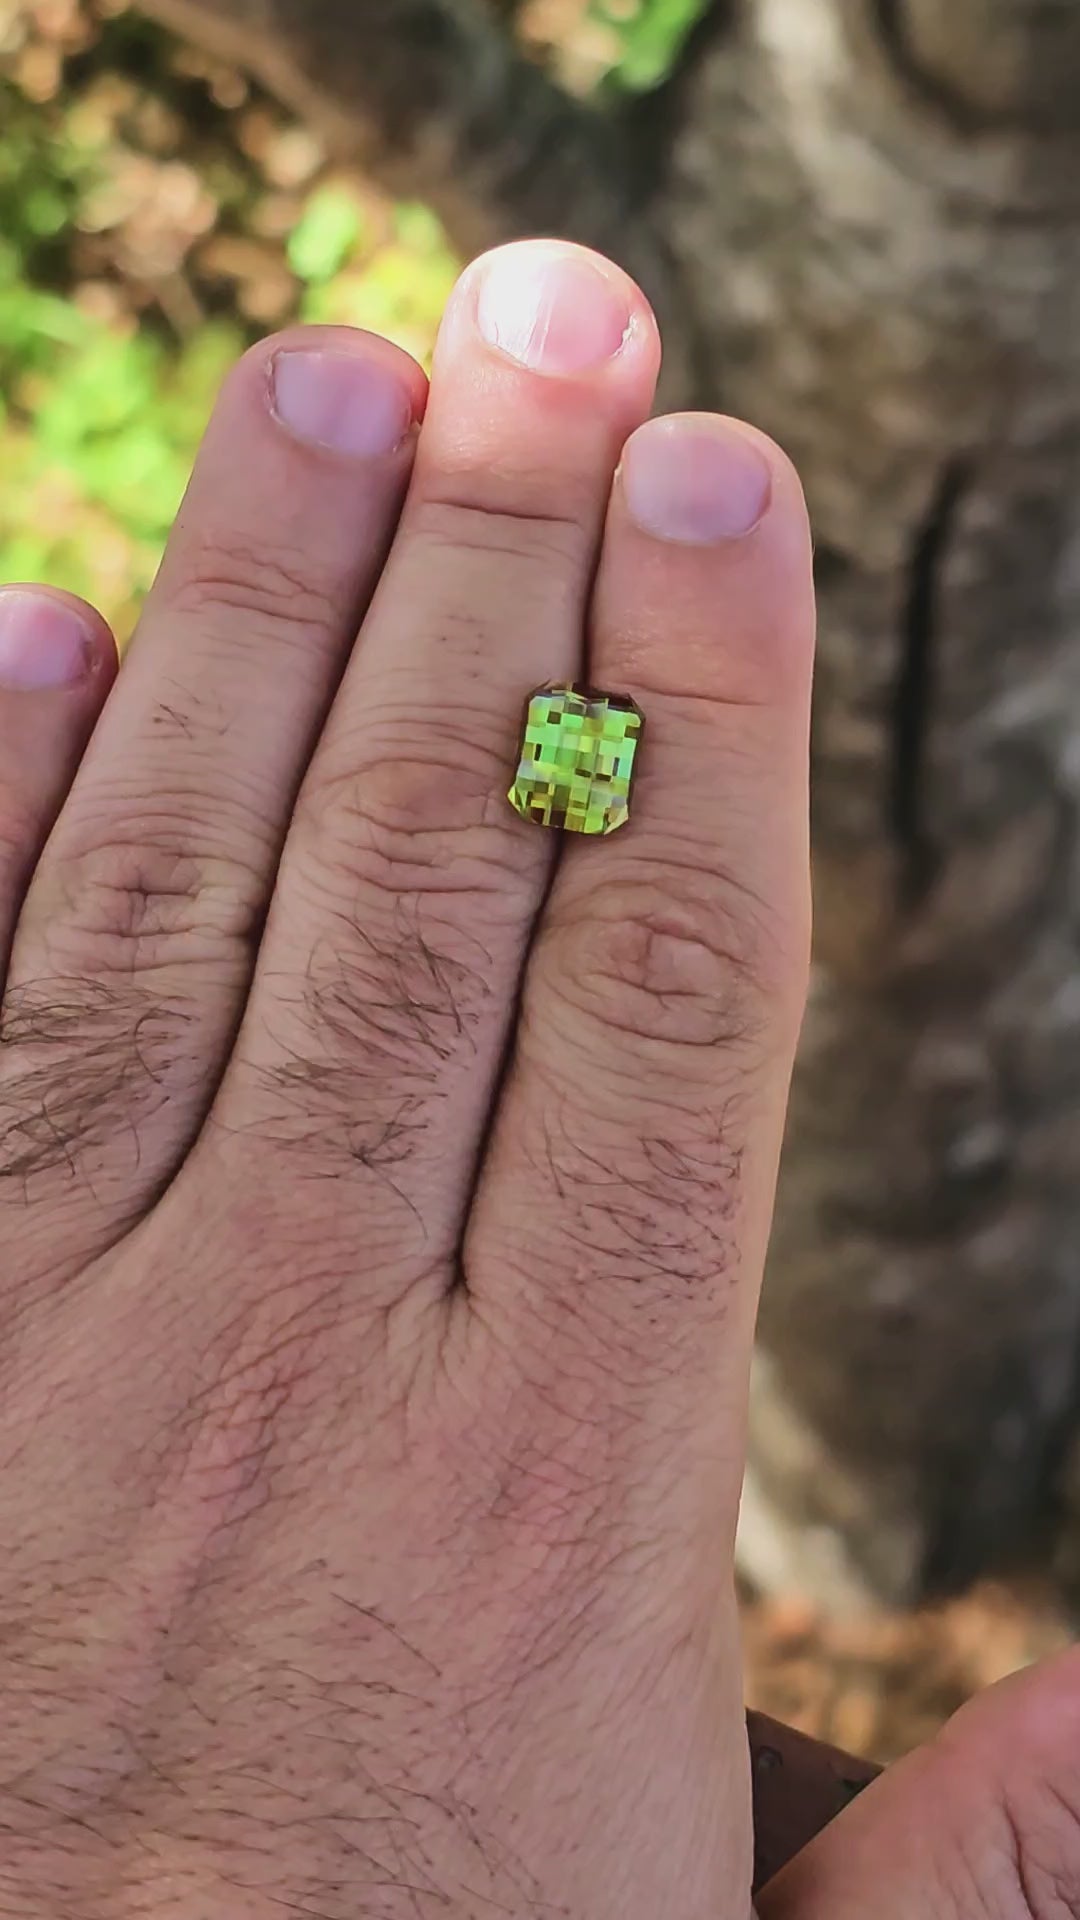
577 759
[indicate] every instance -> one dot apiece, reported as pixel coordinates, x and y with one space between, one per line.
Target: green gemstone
577 759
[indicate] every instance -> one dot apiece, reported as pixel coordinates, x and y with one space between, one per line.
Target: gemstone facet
577 759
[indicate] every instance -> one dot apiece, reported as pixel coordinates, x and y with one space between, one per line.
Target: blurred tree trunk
860 223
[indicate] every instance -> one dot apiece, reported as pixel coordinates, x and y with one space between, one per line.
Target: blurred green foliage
149 232
155 218
97 421
396 284
647 37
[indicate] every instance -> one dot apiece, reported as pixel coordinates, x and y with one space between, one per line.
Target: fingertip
336 389
558 310
697 479
708 564
52 641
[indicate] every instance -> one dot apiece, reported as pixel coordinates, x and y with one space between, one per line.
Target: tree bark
895 295
860 222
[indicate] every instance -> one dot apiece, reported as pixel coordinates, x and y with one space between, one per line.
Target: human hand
385 1182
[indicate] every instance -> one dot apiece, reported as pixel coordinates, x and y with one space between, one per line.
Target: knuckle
422 891
460 519
420 820
405 793
266 580
121 907
706 967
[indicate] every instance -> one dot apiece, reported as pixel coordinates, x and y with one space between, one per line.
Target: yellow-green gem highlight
576 767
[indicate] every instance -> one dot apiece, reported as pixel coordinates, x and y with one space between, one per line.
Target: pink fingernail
554 311
345 402
43 642
696 479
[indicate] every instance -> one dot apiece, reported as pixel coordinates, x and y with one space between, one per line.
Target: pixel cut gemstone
577 759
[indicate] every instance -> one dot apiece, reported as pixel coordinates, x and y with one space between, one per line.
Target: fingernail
695 479
556 312
43 643
340 401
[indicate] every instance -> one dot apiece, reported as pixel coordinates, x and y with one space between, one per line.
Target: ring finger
619 1229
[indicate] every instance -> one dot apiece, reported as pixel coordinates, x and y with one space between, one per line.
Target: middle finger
408 888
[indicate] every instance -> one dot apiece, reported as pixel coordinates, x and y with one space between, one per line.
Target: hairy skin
384 1186
857 222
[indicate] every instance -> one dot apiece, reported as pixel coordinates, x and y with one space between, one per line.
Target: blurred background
157 214
159 211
